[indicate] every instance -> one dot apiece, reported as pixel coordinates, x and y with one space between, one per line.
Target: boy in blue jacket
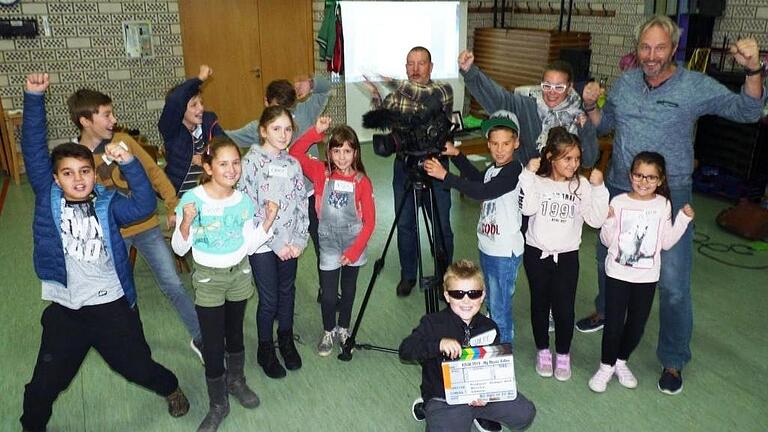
186 128
82 262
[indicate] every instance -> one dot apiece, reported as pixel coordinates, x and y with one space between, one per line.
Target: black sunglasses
459 294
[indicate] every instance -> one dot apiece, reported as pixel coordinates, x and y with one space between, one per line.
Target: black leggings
220 326
553 287
627 307
313 225
329 283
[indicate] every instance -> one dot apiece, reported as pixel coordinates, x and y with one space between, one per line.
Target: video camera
414 136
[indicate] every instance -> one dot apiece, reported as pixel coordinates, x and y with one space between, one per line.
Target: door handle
257 72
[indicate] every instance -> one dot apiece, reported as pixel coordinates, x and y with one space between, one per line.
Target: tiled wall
85 49
742 18
613 37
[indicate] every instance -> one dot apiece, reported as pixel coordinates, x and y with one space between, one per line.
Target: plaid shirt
406 96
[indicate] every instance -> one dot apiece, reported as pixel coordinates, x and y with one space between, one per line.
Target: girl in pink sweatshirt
558 201
638 227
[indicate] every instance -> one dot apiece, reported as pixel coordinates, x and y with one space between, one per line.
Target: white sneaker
325 346
197 349
599 381
417 410
625 376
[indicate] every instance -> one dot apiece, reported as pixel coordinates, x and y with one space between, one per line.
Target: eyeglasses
557 88
652 179
459 294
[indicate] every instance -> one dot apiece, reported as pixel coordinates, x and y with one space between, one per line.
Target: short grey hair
664 22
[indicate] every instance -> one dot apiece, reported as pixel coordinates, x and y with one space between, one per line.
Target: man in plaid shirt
409 97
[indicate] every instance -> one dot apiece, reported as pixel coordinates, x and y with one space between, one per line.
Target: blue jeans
406 225
675 305
152 246
500 274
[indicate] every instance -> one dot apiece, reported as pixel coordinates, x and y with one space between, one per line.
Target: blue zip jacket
664 119
112 209
176 136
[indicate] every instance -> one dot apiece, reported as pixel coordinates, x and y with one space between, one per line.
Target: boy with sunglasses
442 335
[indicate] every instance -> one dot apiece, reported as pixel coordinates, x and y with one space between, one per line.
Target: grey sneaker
342 334
325 346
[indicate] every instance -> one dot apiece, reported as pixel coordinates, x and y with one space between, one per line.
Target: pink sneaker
563 367
544 363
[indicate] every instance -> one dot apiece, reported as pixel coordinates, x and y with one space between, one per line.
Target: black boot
236 385
218 405
267 359
288 350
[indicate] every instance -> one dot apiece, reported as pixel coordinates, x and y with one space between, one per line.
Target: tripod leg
346 349
437 246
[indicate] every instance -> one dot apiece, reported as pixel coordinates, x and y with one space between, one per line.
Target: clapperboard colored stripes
475 353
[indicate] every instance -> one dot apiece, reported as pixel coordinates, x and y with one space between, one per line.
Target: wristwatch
760 69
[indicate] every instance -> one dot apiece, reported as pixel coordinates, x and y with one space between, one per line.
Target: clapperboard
485 372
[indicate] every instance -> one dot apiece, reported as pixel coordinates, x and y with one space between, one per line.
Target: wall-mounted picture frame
137 36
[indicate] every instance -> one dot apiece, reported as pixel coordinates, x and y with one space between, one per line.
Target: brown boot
178 405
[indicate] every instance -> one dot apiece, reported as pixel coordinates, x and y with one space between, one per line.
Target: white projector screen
378 36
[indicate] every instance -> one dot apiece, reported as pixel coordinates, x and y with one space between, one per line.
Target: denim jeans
675 306
275 281
500 274
156 252
406 225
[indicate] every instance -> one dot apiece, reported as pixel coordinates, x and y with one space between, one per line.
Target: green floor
725 384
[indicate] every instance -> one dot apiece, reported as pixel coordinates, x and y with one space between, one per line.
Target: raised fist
596 177
466 59
37 82
205 72
322 124
118 151
746 53
688 211
189 211
533 164
591 93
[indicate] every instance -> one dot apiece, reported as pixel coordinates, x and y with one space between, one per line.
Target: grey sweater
663 120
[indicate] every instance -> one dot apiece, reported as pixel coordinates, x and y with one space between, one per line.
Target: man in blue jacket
82 262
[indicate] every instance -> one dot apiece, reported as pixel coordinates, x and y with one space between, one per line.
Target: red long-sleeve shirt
316 171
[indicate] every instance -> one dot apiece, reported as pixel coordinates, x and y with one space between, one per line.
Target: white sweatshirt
558 209
636 234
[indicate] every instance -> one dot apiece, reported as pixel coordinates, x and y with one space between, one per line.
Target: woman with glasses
553 103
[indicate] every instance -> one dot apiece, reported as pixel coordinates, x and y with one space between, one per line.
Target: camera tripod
416 186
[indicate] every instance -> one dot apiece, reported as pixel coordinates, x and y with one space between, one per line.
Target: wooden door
285 30
248 43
